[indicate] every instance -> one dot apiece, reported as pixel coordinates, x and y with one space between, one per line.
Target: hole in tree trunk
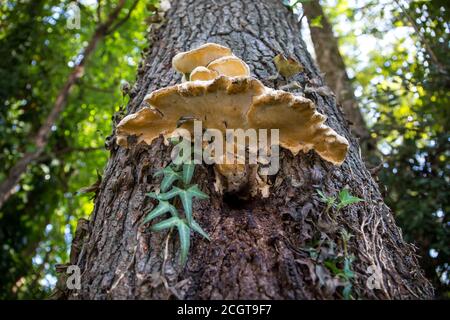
238 201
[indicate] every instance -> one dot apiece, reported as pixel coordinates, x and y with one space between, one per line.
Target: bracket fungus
301 127
230 66
222 94
185 62
203 74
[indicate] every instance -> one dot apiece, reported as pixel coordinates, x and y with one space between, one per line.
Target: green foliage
170 176
327 254
329 201
162 208
38 53
186 193
402 79
345 273
344 197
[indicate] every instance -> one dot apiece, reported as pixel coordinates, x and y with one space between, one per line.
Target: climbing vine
175 187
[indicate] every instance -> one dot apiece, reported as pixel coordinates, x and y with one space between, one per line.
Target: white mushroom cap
185 62
202 74
230 66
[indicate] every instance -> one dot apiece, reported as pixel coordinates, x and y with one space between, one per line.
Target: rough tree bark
260 248
331 63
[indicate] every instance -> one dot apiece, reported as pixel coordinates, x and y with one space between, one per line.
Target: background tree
286 246
332 64
401 77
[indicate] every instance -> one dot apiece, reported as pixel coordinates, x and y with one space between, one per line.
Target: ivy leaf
162 208
348 273
185 239
331 265
164 196
346 198
196 192
196 227
188 172
170 176
317 22
169 223
186 197
287 67
326 199
322 195
347 292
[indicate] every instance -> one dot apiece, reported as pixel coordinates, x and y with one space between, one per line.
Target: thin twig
124 19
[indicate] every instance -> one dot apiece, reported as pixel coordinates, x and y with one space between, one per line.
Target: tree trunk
281 247
330 62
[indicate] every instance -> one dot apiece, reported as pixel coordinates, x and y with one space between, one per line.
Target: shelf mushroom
301 126
209 61
222 94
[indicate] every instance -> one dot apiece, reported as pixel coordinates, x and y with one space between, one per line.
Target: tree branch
99 11
124 19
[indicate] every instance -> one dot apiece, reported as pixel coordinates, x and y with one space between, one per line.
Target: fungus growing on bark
185 62
223 96
146 124
230 66
220 103
301 126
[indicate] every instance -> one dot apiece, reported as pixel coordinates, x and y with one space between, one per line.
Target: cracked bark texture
260 248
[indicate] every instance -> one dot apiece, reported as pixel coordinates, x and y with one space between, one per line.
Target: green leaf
195 191
196 227
153 195
188 172
321 194
164 196
159 172
186 200
326 199
186 197
162 208
185 239
170 176
348 273
346 198
331 265
169 223
347 292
